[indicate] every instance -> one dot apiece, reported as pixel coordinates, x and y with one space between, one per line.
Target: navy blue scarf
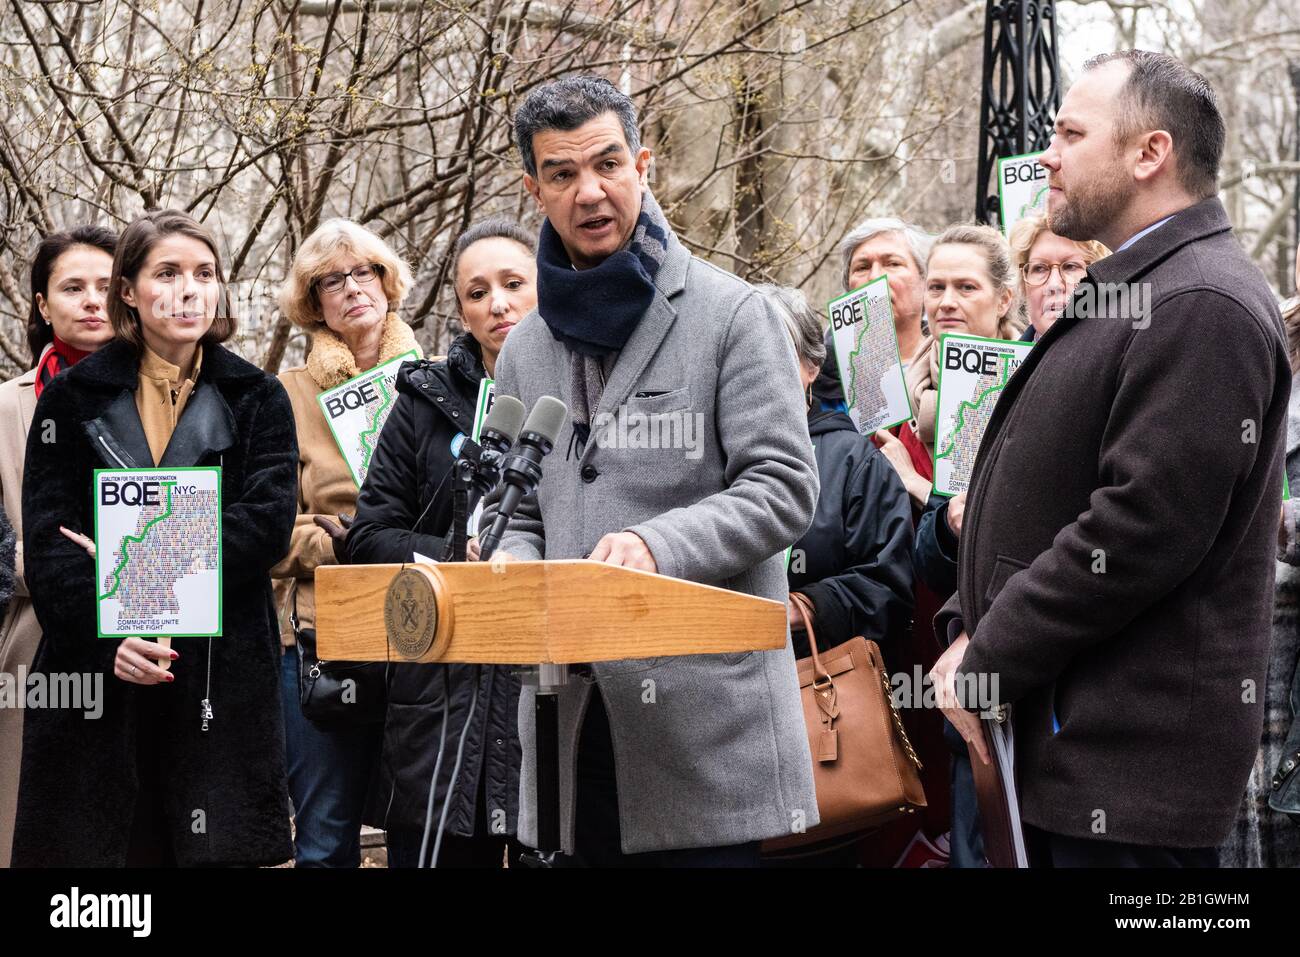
595 311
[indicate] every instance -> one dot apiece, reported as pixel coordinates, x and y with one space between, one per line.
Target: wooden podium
530 613
546 615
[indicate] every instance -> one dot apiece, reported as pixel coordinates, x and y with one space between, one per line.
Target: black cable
432 499
437 766
455 773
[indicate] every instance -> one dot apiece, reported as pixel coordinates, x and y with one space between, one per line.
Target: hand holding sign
80 539
134 662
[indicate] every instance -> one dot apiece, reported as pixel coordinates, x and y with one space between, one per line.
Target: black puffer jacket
855 562
405 507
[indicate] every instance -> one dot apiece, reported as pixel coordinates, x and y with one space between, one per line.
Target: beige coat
20 633
325 485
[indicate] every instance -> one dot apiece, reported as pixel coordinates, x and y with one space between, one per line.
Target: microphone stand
537 439
550 680
465 473
546 711
462 485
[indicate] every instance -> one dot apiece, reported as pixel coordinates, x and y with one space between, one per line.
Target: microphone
477 468
521 470
500 429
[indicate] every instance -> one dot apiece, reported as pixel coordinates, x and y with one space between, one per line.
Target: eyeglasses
334 281
1036 273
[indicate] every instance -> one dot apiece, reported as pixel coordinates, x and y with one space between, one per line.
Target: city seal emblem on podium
410 614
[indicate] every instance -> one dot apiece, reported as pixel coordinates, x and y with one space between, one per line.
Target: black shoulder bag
336 694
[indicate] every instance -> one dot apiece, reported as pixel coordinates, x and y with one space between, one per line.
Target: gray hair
803 324
566 104
918 241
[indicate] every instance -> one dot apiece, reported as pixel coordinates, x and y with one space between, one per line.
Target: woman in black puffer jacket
405 508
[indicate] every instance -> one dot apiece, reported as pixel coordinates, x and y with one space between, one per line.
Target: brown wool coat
1116 561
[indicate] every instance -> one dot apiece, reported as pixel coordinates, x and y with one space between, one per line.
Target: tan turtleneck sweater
161 397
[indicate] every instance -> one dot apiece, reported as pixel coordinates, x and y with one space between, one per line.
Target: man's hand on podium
625 549
497 561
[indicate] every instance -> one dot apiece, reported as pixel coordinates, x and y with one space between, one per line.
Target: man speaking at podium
682 761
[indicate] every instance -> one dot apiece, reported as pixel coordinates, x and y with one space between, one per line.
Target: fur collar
331 362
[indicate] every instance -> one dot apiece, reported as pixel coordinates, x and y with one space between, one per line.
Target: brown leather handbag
864 768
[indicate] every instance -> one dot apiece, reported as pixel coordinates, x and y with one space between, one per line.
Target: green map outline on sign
409 356
1012 346
141 474
979 400
138 539
368 450
846 370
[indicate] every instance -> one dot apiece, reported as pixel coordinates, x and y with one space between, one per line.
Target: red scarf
56 357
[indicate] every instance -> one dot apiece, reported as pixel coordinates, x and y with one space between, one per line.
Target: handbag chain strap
898 723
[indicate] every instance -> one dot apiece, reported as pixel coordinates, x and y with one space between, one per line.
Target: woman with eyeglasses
344 288
1049 266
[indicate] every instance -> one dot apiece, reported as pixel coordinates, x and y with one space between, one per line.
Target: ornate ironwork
1021 91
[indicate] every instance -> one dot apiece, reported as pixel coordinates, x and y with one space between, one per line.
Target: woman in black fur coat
148 781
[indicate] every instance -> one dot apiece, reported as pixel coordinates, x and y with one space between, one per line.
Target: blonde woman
970 288
344 289
1049 267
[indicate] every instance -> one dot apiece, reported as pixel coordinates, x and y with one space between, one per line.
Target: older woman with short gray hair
886 246
854 563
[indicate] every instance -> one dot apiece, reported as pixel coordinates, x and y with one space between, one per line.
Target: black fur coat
222 791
